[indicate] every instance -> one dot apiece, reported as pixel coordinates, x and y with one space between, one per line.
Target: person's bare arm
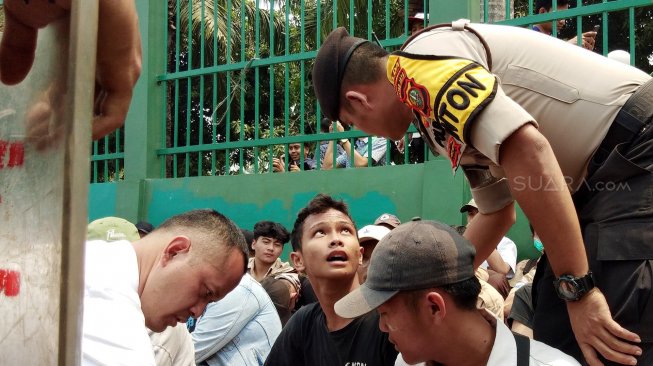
486 230
587 42
23 19
118 52
359 160
526 156
496 262
522 329
118 64
327 159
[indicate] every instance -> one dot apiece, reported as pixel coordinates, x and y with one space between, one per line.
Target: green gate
226 86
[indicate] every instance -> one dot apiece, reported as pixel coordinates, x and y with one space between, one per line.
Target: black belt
633 118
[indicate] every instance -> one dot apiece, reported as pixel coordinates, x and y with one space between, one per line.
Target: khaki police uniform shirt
572 95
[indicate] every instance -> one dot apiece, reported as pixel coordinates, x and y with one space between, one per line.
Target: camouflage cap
329 68
416 255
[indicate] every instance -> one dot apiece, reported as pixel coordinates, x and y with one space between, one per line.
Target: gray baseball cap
416 255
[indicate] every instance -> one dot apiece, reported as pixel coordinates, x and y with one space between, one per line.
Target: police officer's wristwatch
570 288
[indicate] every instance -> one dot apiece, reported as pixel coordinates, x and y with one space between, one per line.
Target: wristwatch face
567 289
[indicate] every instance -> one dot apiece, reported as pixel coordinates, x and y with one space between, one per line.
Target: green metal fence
236 86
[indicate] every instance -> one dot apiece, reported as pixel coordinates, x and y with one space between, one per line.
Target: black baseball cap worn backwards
416 255
329 68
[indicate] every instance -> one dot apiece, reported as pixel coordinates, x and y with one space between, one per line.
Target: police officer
528 118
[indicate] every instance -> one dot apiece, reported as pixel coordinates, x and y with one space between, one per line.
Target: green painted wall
427 190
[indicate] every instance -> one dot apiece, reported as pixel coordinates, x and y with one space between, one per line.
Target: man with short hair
368 237
269 238
192 259
295 155
421 281
526 129
326 248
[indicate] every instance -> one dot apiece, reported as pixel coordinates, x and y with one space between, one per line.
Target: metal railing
237 86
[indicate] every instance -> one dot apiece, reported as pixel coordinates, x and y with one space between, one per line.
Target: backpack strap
459 25
523 349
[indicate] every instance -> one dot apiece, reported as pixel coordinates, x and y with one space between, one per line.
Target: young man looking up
326 248
421 280
269 238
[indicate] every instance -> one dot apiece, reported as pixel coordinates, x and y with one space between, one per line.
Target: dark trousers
615 209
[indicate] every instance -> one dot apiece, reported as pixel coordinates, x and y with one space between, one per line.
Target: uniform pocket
625 241
532 80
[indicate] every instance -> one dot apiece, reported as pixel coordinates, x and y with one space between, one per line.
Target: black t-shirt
522 306
305 340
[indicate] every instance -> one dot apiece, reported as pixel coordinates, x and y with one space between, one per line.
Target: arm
496 262
223 321
327 159
118 52
486 230
526 156
118 64
359 160
588 40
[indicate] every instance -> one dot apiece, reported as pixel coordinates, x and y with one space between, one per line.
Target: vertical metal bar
604 32
530 7
335 15
507 9
164 104
302 68
631 33
257 42
177 62
189 85
227 121
554 9
406 147
369 19
175 134
271 124
286 82
318 121
95 152
352 12
241 151
579 26
117 148
200 120
370 141
214 89
105 150
387 17
485 11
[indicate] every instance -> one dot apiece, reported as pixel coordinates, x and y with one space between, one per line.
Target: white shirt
114 331
508 252
504 351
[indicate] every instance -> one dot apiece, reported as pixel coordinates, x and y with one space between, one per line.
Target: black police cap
329 67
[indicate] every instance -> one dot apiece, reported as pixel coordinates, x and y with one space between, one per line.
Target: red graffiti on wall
16 152
9 282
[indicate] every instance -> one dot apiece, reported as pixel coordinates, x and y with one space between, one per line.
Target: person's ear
297 261
542 10
178 245
360 256
437 306
358 100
